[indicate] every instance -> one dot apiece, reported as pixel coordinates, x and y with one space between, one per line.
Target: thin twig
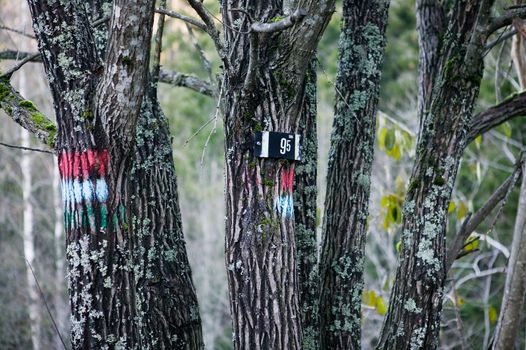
216 115
26 148
158 40
503 37
3 27
210 27
46 304
343 99
34 56
200 51
470 224
460 327
16 55
198 131
187 19
19 65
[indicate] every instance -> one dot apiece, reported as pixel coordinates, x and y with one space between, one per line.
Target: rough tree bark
413 319
128 273
430 24
268 49
305 204
362 42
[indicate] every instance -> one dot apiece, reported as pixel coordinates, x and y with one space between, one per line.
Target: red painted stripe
287 179
84 164
77 171
77 164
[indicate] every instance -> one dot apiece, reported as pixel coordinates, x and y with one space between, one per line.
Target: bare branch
253 63
471 222
26 114
280 25
257 28
20 32
26 148
190 20
46 304
210 27
158 40
505 19
189 81
510 108
19 65
17 55
201 52
505 36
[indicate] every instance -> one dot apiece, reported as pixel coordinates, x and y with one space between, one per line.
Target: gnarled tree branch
189 81
195 22
210 26
510 108
282 24
505 19
17 55
26 114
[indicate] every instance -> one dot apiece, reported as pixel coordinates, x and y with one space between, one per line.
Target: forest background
31 208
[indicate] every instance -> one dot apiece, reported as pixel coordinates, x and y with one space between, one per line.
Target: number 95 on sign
268 144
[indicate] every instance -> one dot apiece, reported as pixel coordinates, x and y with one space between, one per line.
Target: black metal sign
269 144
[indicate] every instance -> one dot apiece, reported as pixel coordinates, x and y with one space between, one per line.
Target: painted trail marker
269 144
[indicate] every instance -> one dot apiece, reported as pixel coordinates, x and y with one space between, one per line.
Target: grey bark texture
264 89
362 43
128 273
413 319
305 204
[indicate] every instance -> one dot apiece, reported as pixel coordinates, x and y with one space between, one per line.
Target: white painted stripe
264 144
101 190
87 190
66 190
77 191
297 155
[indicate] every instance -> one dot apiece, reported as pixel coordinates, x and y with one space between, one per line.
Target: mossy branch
26 114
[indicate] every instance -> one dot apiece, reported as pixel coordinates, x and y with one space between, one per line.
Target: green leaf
390 139
381 138
506 129
381 307
478 141
462 210
492 315
451 207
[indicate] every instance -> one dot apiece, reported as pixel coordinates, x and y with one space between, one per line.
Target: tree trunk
128 275
305 209
165 290
260 235
362 42
413 319
430 23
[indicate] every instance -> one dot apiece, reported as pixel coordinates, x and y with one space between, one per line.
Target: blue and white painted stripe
284 205
76 191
